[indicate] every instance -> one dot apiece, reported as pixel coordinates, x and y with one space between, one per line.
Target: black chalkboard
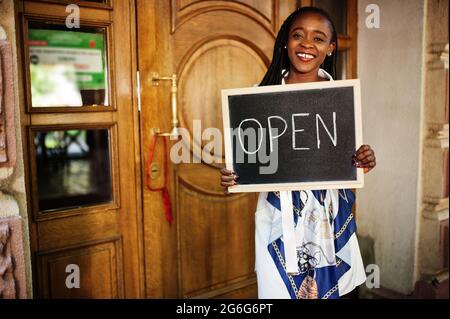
317 155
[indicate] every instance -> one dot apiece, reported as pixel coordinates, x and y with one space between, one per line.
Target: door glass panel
341 65
73 168
337 9
67 66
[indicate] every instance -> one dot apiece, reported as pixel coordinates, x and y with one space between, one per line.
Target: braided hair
280 59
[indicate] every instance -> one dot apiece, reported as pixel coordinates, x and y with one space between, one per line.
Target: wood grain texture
265 8
99 266
264 12
216 237
215 65
104 239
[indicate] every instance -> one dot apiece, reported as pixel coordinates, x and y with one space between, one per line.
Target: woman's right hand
227 178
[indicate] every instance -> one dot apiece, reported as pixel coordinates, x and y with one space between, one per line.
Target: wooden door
80 148
208 251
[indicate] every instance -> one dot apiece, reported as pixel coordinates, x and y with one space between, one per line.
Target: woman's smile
305 57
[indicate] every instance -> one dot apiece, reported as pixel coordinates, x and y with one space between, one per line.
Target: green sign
80 54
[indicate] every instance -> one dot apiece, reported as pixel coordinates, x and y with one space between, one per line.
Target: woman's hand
365 158
227 178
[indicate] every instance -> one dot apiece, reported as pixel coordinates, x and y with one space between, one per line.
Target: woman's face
309 42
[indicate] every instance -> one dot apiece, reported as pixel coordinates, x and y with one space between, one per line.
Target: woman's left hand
365 158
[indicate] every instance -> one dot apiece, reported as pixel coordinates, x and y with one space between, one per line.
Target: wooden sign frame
332 184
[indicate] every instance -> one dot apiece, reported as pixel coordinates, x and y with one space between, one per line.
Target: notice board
293 137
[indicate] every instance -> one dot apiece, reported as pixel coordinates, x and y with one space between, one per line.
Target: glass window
337 9
73 168
68 67
341 65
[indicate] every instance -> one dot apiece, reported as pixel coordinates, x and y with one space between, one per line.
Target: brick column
433 237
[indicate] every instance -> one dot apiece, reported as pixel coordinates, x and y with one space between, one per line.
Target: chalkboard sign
293 137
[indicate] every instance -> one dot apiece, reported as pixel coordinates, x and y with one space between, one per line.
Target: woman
328 258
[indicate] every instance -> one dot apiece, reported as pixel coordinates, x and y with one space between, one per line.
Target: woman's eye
297 36
318 39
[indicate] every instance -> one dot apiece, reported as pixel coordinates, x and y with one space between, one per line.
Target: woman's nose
306 43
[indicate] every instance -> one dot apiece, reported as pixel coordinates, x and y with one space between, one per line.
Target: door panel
210 45
100 263
216 64
215 233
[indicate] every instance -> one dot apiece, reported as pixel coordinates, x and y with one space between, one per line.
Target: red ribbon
164 190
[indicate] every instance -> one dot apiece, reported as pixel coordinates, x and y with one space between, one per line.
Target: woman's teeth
305 56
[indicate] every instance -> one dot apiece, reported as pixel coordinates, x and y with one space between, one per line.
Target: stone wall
433 223
15 261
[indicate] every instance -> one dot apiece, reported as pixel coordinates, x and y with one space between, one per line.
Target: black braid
280 59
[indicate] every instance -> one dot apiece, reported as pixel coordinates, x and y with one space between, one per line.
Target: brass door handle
174 89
